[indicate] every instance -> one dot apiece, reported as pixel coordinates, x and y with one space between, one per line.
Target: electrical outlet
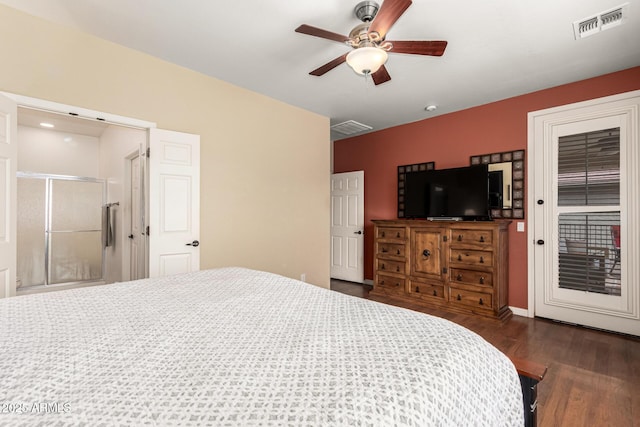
303 277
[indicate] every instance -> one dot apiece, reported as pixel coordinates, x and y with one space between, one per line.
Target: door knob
130 236
195 244
540 242
357 232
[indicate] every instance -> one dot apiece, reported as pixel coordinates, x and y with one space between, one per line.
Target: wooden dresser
452 265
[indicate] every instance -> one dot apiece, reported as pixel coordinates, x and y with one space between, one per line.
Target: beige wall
265 165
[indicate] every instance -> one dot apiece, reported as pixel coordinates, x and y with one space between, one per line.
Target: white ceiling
497 48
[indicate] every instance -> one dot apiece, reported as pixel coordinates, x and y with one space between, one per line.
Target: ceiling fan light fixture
366 60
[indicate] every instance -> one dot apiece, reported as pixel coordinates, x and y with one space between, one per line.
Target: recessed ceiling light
430 108
46 125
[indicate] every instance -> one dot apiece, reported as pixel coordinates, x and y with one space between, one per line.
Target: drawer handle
482 280
397 284
426 253
481 260
481 302
459 276
435 294
397 268
459 257
398 252
481 239
384 250
398 235
417 289
459 297
382 234
382 267
459 237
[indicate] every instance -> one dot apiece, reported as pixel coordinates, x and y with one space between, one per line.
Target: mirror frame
517 181
402 171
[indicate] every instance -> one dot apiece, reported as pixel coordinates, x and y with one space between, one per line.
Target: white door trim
83 113
542 123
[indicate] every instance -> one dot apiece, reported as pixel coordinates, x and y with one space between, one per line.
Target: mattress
239 347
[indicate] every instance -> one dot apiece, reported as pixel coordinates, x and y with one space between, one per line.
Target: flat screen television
457 193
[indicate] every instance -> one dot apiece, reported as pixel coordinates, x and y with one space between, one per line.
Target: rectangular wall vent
600 22
350 127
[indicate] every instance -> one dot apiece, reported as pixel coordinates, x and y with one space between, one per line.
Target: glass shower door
31 236
59 230
75 231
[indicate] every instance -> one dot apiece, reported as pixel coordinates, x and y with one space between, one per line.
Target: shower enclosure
60 230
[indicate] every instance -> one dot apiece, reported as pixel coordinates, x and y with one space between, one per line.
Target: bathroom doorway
72 200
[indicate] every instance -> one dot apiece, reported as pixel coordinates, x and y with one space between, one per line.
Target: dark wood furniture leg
531 374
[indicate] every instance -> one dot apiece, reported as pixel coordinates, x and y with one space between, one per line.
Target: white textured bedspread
240 347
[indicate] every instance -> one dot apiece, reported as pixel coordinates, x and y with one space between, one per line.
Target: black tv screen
457 193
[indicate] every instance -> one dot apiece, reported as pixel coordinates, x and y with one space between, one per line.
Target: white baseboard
520 311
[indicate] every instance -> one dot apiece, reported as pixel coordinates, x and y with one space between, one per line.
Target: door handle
195 244
130 236
357 232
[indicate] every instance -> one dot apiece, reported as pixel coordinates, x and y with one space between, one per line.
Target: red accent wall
449 140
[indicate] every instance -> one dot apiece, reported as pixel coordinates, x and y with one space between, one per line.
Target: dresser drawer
389 284
391 249
471 257
471 277
391 233
385 265
461 236
470 299
424 289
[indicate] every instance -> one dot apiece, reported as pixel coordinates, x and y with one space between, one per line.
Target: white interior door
137 236
174 202
347 226
585 162
8 188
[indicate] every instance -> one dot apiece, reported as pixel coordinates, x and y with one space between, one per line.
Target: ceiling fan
369 43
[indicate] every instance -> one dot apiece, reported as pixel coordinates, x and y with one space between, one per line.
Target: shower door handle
195 244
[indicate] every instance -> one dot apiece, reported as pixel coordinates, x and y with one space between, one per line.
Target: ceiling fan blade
318 32
329 66
433 48
388 14
381 76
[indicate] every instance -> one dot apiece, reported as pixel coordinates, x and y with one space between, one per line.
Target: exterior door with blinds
585 181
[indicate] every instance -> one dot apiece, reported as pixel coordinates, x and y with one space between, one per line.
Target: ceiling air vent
600 22
350 127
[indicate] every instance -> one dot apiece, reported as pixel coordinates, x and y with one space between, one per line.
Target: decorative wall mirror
509 172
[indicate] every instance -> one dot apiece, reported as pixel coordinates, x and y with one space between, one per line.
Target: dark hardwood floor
593 377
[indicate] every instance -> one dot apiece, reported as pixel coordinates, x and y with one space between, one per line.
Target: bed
239 347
